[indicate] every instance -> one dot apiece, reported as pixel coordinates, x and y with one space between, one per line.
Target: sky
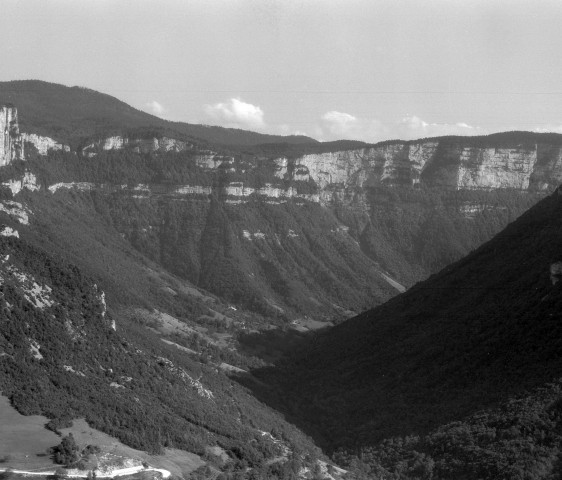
332 69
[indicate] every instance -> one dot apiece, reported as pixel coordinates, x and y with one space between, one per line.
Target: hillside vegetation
61 356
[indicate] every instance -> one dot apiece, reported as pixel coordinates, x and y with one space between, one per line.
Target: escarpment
517 160
441 163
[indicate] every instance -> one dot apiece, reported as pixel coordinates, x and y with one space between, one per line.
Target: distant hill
479 333
69 113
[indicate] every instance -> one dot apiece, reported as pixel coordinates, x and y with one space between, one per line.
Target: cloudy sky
331 69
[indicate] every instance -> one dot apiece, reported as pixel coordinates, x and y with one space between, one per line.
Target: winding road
115 473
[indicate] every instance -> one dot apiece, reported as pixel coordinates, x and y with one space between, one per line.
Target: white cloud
411 127
549 129
339 118
335 125
155 107
237 114
339 124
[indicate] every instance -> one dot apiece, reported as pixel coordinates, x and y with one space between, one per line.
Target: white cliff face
28 181
280 195
392 163
16 210
418 155
281 167
81 186
11 144
193 190
138 145
495 168
470 210
110 143
331 168
114 143
236 192
172 145
212 160
44 144
6 231
536 167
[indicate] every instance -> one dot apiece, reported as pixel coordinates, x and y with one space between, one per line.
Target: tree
66 452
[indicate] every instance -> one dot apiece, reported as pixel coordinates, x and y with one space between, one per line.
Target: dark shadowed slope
479 331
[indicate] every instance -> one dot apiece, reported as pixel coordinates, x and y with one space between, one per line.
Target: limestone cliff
27 181
43 144
138 145
11 144
444 163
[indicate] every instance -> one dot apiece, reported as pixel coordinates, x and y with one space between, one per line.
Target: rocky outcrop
28 181
234 192
16 210
277 194
211 160
471 210
193 190
81 186
43 144
137 145
11 144
6 231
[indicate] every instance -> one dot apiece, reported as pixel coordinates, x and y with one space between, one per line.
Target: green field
178 462
24 440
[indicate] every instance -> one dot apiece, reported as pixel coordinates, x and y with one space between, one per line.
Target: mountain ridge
51 110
